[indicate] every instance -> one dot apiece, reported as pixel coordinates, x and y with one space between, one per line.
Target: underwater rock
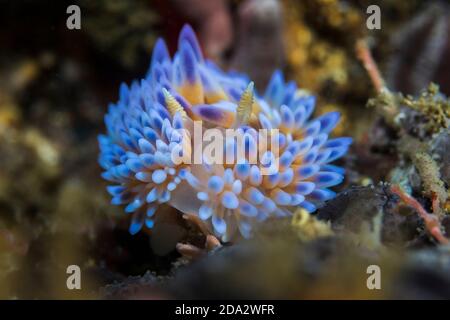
370 212
440 146
144 287
325 268
424 275
351 208
418 122
276 268
375 155
425 114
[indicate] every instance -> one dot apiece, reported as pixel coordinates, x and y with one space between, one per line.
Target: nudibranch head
156 118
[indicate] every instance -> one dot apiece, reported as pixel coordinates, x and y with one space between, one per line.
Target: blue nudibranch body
154 117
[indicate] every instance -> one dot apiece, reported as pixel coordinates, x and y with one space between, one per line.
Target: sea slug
156 117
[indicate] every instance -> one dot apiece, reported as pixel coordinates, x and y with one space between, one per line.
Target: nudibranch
155 118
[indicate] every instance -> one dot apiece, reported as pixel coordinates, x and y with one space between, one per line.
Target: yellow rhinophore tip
173 105
244 109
